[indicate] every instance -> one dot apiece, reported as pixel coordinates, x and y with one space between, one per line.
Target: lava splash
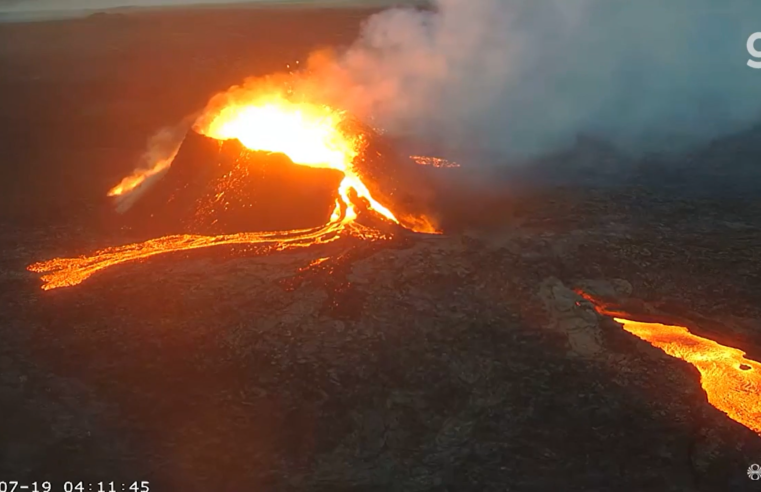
261 119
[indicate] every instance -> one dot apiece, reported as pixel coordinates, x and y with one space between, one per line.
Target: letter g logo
752 51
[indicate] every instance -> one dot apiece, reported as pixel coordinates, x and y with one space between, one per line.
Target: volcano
272 174
221 187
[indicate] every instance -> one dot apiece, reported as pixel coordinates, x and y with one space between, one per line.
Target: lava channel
732 383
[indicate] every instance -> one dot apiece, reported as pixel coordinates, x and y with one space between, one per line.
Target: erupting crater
296 172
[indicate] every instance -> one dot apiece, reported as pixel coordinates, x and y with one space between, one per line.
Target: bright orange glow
732 383
424 160
309 134
159 155
134 180
65 272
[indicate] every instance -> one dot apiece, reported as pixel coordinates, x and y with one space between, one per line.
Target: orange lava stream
424 160
65 272
138 177
732 382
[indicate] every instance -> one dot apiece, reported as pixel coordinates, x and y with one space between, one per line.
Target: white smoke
524 76
161 150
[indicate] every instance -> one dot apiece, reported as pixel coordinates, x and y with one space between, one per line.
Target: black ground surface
419 363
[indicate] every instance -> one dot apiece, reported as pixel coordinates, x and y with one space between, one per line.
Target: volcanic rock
220 187
394 179
568 316
469 355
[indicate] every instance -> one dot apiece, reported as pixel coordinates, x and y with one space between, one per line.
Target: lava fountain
310 134
732 383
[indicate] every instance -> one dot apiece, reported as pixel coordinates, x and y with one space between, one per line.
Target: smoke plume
161 150
522 77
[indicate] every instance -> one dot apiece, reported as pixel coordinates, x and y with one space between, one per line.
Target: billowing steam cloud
524 76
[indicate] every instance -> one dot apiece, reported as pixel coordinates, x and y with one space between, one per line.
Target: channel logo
753 52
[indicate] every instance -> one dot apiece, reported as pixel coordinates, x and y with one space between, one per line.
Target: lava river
732 383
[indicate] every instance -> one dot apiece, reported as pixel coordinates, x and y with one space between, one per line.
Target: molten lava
732 383
309 134
134 180
65 272
424 160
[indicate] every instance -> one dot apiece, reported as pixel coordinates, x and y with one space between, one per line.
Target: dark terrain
460 362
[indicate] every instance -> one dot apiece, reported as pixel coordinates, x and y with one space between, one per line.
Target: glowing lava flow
136 179
731 382
65 272
309 134
425 160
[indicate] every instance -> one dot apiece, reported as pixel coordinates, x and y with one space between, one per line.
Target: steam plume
161 150
523 76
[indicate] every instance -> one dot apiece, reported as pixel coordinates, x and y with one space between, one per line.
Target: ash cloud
524 77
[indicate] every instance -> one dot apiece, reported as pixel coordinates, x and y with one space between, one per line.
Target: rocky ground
455 362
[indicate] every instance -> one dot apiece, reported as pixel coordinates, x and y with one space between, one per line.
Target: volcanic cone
394 179
220 187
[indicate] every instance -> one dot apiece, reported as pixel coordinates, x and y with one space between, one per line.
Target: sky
38 5
41 10
527 76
